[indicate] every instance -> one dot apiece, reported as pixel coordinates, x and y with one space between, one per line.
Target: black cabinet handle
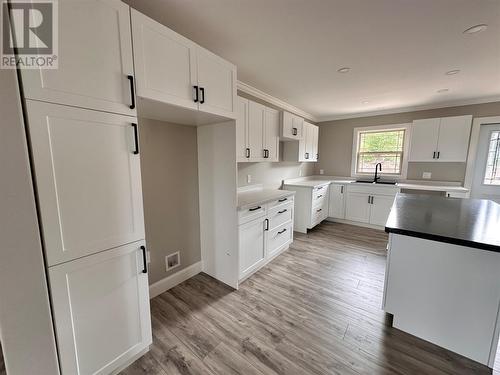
369 199
132 91
136 139
144 259
439 152
434 155
282 211
342 189
319 210
202 100
319 188
266 153
282 200
282 231
255 208
307 155
267 224
319 196
294 131
248 152
196 94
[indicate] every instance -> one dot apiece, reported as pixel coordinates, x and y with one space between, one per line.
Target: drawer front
280 215
318 214
251 213
279 237
280 202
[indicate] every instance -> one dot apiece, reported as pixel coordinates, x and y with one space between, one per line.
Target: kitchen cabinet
173 70
358 207
306 149
257 132
380 209
101 310
265 230
88 178
95 67
291 127
336 208
311 205
440 139
369 204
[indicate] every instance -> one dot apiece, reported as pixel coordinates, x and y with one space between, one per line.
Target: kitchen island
442 279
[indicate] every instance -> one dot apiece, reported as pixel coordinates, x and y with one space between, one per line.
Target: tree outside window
384 146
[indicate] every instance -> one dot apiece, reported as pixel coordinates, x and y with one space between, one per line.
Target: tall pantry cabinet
84 138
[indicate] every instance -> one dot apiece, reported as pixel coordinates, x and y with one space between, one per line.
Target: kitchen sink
378 182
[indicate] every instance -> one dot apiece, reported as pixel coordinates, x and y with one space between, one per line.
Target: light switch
321 171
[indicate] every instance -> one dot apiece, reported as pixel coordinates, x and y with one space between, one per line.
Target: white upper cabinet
101 309
454 134
88 179
306 148
95 59
173 70
165 63
292 127
257 132
242 149
271 134
217 84
440 139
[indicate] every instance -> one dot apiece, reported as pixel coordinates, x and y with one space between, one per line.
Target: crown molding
250 90
457 103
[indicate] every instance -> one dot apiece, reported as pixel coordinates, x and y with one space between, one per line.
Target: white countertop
252 196
312 181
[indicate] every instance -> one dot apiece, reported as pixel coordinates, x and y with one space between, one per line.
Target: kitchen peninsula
443 272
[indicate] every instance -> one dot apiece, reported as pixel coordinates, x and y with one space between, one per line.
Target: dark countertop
466 222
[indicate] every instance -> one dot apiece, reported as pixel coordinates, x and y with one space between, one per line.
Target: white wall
26 329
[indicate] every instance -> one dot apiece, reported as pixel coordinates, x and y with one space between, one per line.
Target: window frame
376 129
485 166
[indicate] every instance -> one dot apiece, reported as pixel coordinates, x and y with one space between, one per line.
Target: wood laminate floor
314 310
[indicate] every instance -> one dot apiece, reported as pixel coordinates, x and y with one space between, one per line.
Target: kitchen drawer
279 202
280 214
320 189
279 237
320 198
318 215
251 213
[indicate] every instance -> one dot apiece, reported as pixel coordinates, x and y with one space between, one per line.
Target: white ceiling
398 50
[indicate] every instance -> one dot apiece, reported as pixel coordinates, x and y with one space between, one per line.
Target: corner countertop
312 181
466 222
255 195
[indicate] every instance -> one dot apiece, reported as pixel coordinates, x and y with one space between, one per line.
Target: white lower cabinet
311 204
336 208
265 230
369 204
101 310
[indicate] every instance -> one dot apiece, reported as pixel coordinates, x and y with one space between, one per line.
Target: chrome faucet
376 178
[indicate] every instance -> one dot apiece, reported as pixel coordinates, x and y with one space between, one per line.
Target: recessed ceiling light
441 91
476 29
452 72
344 70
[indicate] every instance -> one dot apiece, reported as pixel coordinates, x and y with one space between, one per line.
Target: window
384 146
492 174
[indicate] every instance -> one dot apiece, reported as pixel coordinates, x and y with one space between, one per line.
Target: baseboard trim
356 223
170 281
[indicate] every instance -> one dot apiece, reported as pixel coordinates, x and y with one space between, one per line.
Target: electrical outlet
321 171
249 178
427 175
172 261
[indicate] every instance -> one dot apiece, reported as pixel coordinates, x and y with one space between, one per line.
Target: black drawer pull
319 188
319 196
136 139
319 210
282 231
255 208
282 211
144 259
282 200
132 91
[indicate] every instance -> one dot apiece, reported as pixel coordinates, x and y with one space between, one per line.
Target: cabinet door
242 129
251 246
308 140
101 310
291 126
380 209
315 139
337 203
454 134
95 58
357 207
424 138
165 63
271 134
217 82
256 131
298 123
88 180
